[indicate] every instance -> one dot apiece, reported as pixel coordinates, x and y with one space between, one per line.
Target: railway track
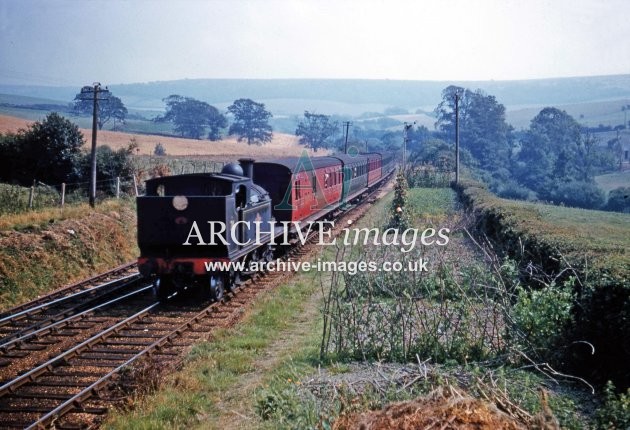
78 380
64 302
76 386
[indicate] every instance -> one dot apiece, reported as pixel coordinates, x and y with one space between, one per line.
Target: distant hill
290 97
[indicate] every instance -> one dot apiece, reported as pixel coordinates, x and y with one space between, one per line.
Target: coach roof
303 163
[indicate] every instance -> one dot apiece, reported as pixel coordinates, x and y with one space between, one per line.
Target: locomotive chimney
248 167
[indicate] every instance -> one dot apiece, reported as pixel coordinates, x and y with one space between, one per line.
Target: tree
558 162
552 151
109 163
416 138
159 149
315 130
251 122
48 151
191 117
483 129
108 108
619 200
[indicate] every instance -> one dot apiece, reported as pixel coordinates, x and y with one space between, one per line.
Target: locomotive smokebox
248 167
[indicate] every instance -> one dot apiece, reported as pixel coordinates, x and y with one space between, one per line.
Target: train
179 216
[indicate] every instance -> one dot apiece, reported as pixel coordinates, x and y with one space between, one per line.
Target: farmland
282 145
611 181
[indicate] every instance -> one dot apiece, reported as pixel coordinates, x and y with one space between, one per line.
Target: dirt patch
444 408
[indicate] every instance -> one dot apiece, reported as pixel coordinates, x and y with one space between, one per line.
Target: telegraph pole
88 92
347 125
457 138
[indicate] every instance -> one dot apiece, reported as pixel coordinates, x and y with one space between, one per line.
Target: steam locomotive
180 216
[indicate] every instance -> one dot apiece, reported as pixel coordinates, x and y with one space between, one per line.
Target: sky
78 42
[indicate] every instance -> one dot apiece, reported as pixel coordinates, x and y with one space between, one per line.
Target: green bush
510 189
578 194
619 200
615 411
543 315
159 150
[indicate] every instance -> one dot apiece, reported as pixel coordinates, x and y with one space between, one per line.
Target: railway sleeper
110 355
80 362
30 346
14 354
47 395
71 384
143 335
40 409
117 350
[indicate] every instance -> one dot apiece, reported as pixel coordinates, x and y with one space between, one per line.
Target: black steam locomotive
189 223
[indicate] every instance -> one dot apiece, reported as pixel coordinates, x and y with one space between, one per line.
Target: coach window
326 176
160 190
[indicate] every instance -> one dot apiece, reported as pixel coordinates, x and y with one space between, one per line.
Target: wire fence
152 166
17 199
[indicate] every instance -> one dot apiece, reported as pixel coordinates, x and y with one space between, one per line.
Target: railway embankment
555 245
41 251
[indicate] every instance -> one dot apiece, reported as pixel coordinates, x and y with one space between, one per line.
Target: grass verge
192 396
44 250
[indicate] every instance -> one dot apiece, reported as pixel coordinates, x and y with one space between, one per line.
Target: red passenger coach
375 173
301 189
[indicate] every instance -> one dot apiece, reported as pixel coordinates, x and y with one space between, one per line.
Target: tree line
554 160
196 119
192 118
49 151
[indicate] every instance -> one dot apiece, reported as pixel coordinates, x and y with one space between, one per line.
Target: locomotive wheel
268 254
234 279
216 287
163 287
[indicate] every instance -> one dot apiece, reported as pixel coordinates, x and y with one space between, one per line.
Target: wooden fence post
117 187
135 185
31 194
63 193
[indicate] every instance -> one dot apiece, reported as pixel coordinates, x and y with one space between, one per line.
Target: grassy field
590 114
601 237
610 181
